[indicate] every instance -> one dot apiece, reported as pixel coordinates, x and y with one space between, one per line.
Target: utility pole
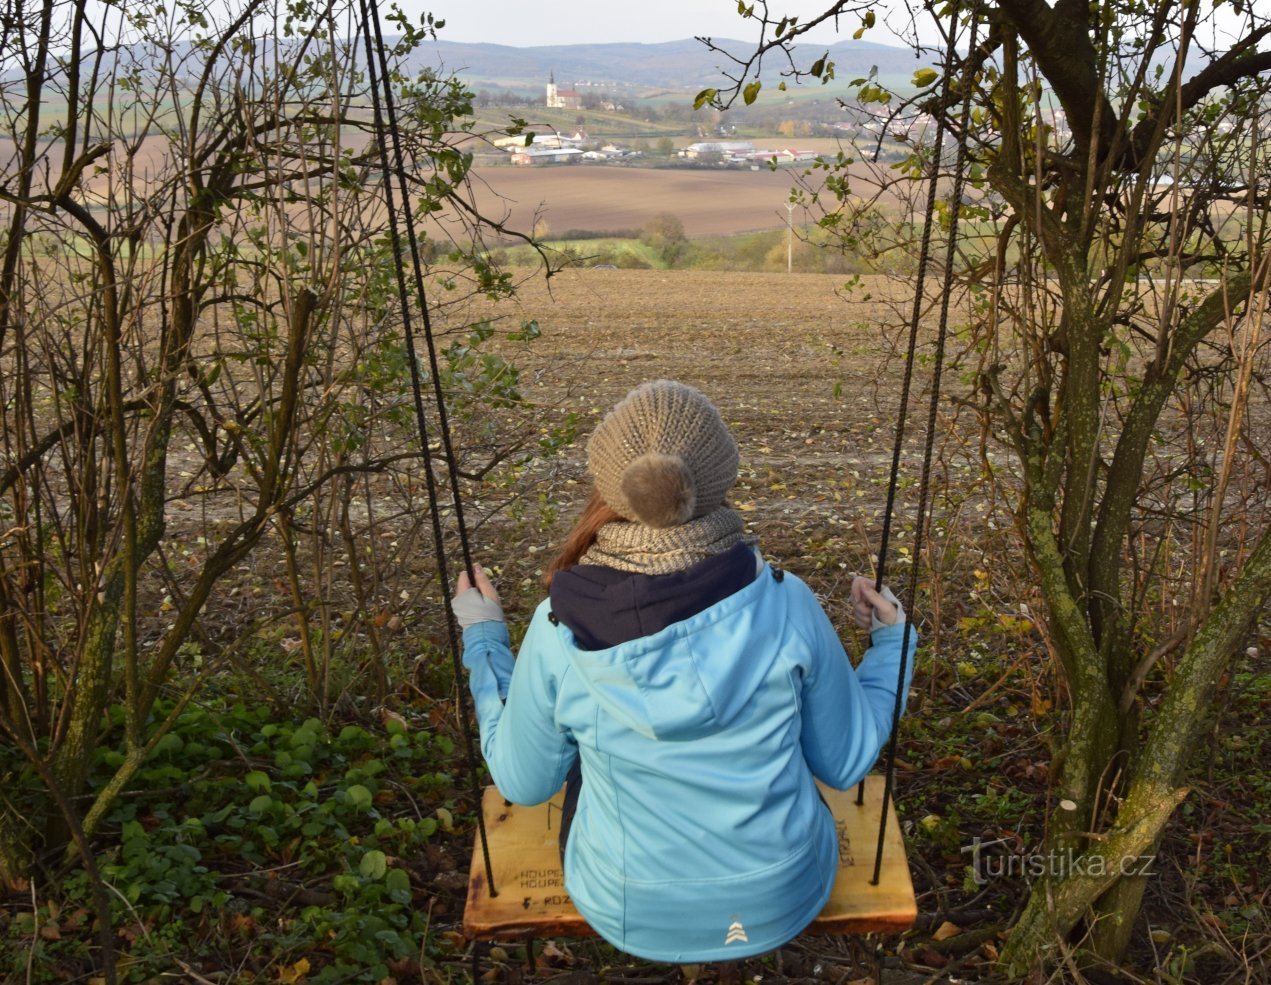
789 237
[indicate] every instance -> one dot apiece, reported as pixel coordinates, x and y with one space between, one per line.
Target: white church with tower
562 98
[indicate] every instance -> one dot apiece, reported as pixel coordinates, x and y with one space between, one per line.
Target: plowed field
606 199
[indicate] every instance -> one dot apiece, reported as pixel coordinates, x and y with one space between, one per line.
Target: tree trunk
1116 914
1056 905
71 758
1090 891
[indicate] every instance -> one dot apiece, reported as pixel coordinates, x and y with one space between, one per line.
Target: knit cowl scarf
640 549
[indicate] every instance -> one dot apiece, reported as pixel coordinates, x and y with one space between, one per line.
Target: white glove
472 605
874 609
890 596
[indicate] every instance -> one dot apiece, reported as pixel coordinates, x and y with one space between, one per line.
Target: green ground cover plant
255 842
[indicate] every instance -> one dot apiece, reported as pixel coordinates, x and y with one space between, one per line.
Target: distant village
872 124
578 147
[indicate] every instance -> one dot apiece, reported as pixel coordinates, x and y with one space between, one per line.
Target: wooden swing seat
532 901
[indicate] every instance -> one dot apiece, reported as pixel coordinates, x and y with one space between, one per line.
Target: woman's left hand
472 605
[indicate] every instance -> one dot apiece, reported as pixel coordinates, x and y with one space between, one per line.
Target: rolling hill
685 64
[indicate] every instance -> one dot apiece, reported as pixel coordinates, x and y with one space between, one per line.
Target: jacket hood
692 677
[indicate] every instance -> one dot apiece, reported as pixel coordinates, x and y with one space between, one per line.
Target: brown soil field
600 198
596 198
761 341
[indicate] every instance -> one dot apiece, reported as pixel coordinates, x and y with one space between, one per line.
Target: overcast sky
528 23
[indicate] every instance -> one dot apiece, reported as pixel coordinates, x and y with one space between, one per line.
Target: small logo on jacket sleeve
736 933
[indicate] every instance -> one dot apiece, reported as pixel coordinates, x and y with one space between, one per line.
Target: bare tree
198 318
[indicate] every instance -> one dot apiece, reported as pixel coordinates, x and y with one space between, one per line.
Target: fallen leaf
452 940
945 931
292 973
932 958
552 954
388 715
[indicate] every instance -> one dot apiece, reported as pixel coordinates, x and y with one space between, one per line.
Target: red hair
594 516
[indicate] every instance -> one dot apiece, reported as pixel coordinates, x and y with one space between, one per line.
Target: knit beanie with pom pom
663 456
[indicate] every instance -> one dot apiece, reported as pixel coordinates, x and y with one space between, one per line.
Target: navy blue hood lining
604 607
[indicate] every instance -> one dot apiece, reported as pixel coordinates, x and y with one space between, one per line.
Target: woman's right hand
471 604
872 609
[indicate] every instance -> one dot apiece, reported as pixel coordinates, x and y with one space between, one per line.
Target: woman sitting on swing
688 692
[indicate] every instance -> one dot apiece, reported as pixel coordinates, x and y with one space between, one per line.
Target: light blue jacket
699 745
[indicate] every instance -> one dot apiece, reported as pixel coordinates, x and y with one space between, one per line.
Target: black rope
959 185
382 104
915 316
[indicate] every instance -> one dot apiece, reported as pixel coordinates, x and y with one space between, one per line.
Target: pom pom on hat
660 489
663 455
